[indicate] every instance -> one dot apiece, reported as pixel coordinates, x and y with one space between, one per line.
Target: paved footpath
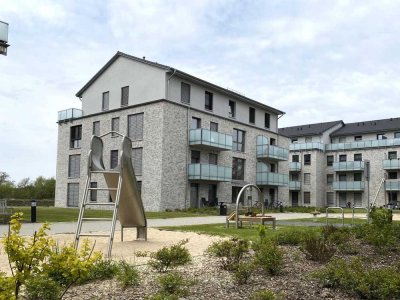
93 226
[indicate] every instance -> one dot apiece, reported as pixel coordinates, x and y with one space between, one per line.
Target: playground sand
156 239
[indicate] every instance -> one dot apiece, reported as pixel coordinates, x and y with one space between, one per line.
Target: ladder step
96 219
102 189
101 204
93 234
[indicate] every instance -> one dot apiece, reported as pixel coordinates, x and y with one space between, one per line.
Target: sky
316 60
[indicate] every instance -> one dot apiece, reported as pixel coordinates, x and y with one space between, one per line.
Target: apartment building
194 143
338 164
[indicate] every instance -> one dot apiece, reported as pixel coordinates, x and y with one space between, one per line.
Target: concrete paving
93 226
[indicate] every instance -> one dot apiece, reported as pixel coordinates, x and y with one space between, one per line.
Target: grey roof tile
373 126
307 129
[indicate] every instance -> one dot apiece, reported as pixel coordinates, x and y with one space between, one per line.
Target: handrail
358 207
238 200
334 207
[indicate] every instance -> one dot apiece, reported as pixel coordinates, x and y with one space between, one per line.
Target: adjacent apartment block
194 143
338 164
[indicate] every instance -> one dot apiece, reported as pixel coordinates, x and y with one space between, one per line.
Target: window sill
206 109
105 109
232 117
183 102
74 177
74 148
124 105
140 140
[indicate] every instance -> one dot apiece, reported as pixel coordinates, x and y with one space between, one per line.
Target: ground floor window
73 194
307 198
330 199
235 193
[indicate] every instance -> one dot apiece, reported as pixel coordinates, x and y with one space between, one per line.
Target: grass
249 233
58 214
332 220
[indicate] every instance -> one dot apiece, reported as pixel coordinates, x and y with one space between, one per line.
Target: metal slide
122 186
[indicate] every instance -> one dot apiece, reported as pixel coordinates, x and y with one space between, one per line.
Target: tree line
40 188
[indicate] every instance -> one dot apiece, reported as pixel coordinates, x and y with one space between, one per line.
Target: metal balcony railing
209 172
363 144
348 166
210 139
392 185
264 150
265 177
348 185
69 114
391 164
294 166
294 185
306 146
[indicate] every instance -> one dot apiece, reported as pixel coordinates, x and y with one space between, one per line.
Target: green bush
230 252
265 295
243 272
127 275
293 237
170 257
381 217
173 284
43 288
103 269
268 256
383 238
317 248
7 287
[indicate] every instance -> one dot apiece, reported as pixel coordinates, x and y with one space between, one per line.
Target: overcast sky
316 60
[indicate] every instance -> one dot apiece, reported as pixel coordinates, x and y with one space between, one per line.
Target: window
358 138
114 126
307 198
329 160
196 123
397 135
93 193
308 139
237 168
125 96
96 128
267 120
381 136
273 168
73 194
342 177
195 157
135 126
208 105
213 159
74 166
358 157
294 140
342 140
212 194
329 199
235 194
295 158
272 141
392 175
232 108
106 100
392 155
357 176
307 159
139 186
137 160
295 177
113 159
342 157
329 179
185 92
238 140
307 178
214 126
252 115
75 136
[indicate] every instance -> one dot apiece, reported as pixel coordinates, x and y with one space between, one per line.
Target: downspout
167 94
277 142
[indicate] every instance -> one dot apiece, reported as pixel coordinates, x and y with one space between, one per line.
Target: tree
4 177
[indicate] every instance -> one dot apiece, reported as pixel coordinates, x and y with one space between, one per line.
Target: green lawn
246 232
331 220
57 214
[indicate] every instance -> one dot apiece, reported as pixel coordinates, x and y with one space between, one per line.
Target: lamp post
3 38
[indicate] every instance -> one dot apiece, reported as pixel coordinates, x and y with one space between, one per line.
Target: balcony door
392 198
194 195
342 200
295 199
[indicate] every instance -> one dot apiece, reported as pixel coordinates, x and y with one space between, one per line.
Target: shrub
383 238
174 284
266 295
230 253
103 269
268 256
43 288
127 275
381 217
317 248
7 287
170 257
294 238
243 272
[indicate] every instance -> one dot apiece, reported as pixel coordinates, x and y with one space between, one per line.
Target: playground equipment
334 207
122 186
250 217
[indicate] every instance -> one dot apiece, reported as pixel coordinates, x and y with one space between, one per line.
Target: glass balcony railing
348 185
264 150
210 139
294 166
265 177
306 146
294 185
209 172
348 166
69 114
392 185
391 164
363 144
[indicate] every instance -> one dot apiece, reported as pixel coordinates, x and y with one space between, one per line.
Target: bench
256 219
5 211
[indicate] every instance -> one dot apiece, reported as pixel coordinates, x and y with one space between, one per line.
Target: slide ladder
121 183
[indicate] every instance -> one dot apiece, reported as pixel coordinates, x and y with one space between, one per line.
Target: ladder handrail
334 207
377 193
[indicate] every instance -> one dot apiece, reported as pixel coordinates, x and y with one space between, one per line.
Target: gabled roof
308 129
178 73
377 126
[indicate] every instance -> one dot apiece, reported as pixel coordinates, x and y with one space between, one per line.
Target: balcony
270 152
205 138
391 164
307 146
348 185
348 166
294 185
69 114
207 172
295 166
265 177
363 144
392 185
